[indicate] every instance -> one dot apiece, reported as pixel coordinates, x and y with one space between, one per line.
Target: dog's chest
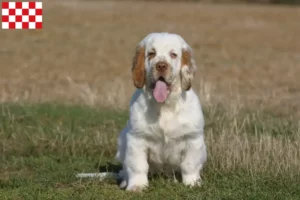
166 146
168 123
166 151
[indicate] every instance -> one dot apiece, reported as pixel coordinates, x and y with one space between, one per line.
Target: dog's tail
101 175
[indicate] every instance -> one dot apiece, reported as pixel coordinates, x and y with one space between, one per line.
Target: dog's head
163 62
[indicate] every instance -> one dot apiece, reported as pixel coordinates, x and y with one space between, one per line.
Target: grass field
65 90
251 155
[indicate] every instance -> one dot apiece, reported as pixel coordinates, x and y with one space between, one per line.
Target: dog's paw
192 181
137 182
123 184
196 183
136 188
193 184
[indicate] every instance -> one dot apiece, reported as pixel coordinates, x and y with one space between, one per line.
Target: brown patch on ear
187 74
138 67
186 58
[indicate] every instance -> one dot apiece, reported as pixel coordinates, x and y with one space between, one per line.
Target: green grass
43 146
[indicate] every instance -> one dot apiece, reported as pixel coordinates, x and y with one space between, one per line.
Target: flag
22 15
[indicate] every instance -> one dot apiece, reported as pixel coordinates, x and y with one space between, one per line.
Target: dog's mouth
161 89
162 79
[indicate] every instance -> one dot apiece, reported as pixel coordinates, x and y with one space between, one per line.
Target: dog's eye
151 54
173 55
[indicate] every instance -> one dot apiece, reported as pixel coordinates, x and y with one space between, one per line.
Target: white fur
163 136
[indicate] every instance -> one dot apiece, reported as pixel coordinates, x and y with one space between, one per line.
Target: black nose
161 66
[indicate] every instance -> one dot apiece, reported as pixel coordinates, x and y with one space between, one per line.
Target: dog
165 130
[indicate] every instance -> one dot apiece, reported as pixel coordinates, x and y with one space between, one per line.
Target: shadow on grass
110 167
115 168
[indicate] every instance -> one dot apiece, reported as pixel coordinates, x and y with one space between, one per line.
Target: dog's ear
188 68
138 67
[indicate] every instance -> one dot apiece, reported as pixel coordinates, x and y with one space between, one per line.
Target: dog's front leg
194 159
136 164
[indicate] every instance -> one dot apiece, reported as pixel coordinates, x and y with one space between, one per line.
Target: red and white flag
22 15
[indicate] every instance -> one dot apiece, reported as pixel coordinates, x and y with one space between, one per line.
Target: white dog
165 127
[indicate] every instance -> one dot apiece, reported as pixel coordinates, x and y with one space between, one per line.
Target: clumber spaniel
165 127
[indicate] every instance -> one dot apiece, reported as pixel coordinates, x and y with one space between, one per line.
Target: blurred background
247 51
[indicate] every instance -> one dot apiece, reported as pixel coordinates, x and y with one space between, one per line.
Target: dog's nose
161 66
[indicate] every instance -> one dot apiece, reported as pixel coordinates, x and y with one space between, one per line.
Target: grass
43 146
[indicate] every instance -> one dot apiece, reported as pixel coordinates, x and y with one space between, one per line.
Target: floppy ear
138 67
188 68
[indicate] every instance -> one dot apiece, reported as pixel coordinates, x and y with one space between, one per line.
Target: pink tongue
160 91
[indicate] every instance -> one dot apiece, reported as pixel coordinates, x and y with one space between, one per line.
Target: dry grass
255 142
246 55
